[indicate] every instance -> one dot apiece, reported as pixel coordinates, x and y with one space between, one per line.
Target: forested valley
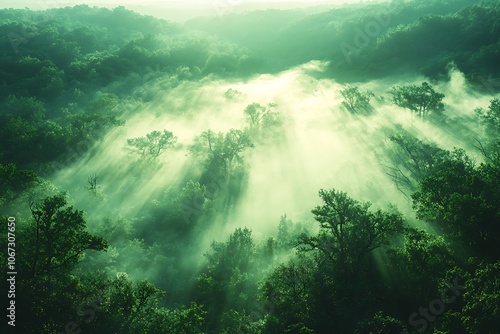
315 170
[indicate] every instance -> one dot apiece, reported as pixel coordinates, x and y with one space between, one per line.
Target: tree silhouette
348 230
221 150
356 101
58 237
92 187
153 144
421 99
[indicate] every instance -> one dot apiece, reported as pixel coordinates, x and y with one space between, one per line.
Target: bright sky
159 3
173 9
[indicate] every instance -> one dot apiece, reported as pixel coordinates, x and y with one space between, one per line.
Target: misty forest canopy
316 170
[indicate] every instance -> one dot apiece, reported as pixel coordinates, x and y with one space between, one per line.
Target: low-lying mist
318 145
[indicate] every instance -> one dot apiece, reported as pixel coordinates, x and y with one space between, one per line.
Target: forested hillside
373 40
275 171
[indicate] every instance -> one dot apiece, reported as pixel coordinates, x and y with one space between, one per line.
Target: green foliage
264 124
236 322
233 257
223 170
384 38
287 293
491 120
153 145
184 320
229 280
356 101
461 199
426 40
25 133
193 201
349 232
491 116
28 134
58 238
256 113
380 324
48 248
343 249
289 231
233 95
14 182
183 211
100 114
127 307
412 160
30 76
482 299
416 268
129 303
299 328
115 229
422 100
221 150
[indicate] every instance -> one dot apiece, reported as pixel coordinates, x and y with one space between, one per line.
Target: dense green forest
326 169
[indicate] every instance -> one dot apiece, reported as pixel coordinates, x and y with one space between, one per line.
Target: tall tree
490 147
422 99
48 249
356 101
412 160
153 144
348 234
226 282
491 117
222 150
58 237
349 231
461 199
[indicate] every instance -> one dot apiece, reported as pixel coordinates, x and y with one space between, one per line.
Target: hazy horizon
179 11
